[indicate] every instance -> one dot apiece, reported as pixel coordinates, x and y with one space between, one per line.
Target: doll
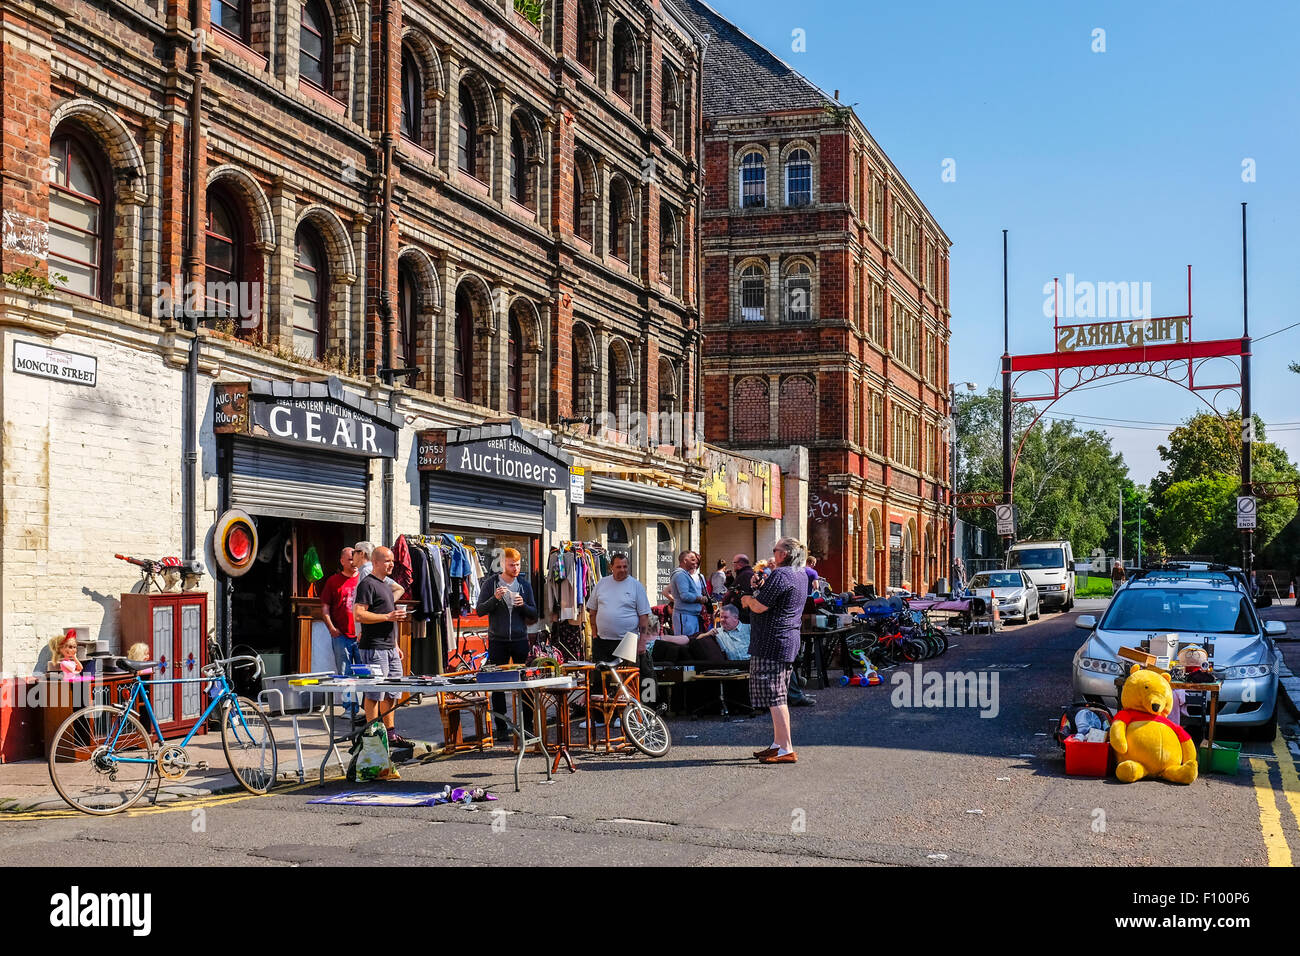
63 654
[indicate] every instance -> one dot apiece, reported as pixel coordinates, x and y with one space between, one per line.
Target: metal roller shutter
461 503
267 479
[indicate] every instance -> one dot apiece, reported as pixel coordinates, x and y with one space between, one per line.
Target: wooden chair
450 706
609 705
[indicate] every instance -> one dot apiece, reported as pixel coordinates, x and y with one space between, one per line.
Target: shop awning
622 495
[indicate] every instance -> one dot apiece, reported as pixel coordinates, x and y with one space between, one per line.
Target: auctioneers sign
1131 333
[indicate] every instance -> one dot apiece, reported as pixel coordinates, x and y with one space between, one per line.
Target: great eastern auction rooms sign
314 422
32 359
502 459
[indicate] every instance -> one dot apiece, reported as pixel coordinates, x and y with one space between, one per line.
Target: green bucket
1225 758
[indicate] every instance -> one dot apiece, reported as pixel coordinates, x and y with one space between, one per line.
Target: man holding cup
507 601
376 612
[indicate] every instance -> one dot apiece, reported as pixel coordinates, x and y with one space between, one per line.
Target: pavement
880 780
1287 612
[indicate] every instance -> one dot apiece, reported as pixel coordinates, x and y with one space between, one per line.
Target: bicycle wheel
249 744
647 730
101 760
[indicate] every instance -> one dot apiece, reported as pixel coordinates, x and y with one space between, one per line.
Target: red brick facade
826 295
300 166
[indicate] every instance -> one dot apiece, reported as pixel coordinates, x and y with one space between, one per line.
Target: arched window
753 180
310 293
80 214
586 39
232 16
223 255
869 572
515 369
518 166
616 535
464 361
612 407
620 222
578 188
467 145
798 293
668 109
624 62
316 46
753 294
668 249
412 95
408 301
798 178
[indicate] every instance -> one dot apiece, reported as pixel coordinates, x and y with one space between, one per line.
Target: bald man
377 614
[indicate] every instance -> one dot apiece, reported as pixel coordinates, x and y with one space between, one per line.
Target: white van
1050 565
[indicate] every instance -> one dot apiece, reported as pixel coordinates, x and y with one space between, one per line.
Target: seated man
731 633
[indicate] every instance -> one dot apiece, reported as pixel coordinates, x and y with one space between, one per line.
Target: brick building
541 166
825 312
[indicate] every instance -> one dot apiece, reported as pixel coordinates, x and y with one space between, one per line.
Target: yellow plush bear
1146 741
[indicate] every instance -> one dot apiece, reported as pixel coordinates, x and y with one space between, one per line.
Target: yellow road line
1290 779
214 800
1270 820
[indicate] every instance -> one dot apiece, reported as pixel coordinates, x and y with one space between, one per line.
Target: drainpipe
699 228
189 436
386 319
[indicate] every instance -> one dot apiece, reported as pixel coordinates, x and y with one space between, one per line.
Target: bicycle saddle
137 666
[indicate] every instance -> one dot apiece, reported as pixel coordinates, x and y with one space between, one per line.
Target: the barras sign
43 362
1134 334
314 422
502 459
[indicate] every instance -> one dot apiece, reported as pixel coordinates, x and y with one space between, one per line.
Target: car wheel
1038 611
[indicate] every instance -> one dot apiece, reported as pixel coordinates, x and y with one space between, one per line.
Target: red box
1084 759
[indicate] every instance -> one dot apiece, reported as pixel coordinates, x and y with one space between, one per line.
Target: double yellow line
146 809
1270 817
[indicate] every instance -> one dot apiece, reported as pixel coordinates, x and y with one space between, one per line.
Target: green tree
1196 493
1067 481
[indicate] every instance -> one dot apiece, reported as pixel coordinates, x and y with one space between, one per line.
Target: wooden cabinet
174 627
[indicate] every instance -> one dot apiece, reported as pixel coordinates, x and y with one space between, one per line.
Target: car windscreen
1180 609
1032 559
997 579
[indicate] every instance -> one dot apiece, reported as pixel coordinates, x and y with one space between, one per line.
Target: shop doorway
667 557
267 604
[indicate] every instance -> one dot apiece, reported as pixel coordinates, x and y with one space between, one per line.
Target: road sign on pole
1245 512
1006 519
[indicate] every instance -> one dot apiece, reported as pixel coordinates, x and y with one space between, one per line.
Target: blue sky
1123 165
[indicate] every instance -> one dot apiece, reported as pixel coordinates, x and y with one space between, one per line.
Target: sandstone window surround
751 410
670 250
524 361
321 241
234 17
255 227
621 406
797 409
625 60
800 177
527 148
584 370
586 196
751 291
473 330
621 230
751 178
671 110
423 93
112 166
590 34
420 308
800 293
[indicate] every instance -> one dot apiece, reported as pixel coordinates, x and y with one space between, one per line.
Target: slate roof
741 75
331 388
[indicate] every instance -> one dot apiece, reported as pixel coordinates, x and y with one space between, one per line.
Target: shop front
744 509
485 489
651 523
296 457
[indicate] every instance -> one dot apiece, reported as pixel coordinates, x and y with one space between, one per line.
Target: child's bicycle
646 729
102 758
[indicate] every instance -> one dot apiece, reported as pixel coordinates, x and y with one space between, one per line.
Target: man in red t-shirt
336 611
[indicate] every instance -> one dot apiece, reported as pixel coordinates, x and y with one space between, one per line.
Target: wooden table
1212 705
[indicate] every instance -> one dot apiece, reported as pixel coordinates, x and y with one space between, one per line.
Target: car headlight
1097 666
1246 671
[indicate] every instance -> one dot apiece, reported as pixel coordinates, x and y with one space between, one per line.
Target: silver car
1204 612
1016 594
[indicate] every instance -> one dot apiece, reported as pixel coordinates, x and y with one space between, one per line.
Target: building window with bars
753 180
798 178
753 294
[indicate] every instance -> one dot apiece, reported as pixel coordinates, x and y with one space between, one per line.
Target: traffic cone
993 603
1291 595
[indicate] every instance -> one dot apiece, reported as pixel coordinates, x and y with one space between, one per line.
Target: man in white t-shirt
620 604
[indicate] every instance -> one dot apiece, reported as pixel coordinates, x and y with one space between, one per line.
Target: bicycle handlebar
241 660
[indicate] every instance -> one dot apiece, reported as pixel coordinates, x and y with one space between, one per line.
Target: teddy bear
1146 741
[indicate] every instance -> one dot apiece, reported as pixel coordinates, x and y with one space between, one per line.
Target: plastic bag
370 757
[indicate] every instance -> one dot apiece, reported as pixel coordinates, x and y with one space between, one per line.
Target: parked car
1050 565
1216 613
1017 595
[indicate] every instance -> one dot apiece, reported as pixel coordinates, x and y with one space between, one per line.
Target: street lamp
952 477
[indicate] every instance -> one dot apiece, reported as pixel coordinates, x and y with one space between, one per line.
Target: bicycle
102 758
648 731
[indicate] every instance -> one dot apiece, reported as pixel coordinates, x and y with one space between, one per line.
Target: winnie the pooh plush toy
1146 741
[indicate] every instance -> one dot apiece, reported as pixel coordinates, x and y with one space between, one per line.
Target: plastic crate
1086 759
1225 758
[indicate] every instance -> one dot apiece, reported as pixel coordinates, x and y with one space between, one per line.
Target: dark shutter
270 479
490 506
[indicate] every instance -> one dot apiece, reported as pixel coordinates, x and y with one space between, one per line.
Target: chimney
837 96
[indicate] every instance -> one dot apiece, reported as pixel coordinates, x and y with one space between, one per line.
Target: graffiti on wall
822 509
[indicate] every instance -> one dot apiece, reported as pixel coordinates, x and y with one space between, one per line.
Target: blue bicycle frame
139 693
